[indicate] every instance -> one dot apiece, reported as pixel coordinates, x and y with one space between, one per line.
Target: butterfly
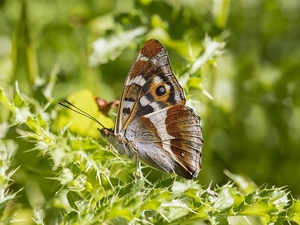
153 123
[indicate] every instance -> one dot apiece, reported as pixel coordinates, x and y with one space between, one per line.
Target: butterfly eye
160 90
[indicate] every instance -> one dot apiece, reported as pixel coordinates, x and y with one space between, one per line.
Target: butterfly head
105 132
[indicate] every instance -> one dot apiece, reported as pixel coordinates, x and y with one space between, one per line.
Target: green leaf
108 48
225 200
5 101
73 199
219 219
18 99
293 212
195 82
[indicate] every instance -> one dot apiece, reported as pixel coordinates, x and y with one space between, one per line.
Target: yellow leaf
84 100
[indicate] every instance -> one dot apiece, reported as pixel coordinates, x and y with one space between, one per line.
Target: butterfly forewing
150 85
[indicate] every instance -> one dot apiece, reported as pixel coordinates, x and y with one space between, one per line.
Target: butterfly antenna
74 108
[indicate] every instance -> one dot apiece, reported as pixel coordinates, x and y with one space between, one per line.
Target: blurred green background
251 126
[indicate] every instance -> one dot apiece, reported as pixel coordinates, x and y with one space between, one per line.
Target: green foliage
6 195
238 63
95 185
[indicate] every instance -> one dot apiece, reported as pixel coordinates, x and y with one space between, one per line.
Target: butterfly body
153 122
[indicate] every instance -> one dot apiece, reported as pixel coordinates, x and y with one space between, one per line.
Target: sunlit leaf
79 124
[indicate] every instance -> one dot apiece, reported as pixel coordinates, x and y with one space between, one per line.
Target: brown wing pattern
169 140
150 85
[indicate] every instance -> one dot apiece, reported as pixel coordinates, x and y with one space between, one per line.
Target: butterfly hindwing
169 139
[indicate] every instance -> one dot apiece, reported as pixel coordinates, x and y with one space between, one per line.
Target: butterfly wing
149 86
153 121
169 139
